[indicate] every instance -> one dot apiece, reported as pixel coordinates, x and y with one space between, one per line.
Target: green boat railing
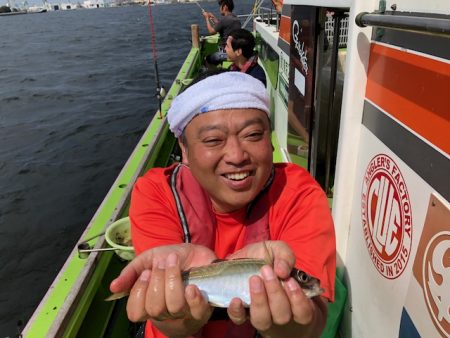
74 304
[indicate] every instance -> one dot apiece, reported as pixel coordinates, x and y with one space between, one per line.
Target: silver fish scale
221 282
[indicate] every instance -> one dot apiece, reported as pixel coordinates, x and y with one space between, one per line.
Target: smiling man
240 50
227 200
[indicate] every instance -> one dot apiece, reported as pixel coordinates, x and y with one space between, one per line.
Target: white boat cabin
360 91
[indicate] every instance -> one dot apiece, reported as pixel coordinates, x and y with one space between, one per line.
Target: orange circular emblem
386 216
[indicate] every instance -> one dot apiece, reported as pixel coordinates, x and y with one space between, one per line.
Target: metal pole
419 24
331 99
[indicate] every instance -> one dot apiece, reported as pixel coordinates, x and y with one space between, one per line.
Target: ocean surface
76 93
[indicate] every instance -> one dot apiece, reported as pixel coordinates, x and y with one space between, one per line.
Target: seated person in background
240 50
227 200
223 26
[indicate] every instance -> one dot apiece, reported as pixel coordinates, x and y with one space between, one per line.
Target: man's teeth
237 176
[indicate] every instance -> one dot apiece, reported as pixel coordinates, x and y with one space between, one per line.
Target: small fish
221 281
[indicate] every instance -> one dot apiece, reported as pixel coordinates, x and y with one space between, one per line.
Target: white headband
226 90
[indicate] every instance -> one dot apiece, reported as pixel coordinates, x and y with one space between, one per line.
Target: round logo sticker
436 280
386 216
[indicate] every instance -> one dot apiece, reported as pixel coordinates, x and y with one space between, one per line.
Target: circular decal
436 280
386 216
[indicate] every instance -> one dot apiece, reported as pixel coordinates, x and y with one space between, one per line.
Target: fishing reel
160 92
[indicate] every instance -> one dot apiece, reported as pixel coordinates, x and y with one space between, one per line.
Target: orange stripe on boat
285 29
414 89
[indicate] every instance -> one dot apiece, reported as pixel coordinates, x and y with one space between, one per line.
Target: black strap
173 186
262 192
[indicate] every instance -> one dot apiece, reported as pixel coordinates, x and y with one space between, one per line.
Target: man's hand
208 15
157 289
212 17
278 309
210 21
278 5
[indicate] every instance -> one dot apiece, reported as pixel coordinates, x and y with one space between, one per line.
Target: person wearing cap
240 50
227 200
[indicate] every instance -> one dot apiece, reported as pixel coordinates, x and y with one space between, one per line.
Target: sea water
77 90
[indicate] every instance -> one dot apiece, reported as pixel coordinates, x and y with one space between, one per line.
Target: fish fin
216 268
241 259
116 296
217 305
218 260
268 257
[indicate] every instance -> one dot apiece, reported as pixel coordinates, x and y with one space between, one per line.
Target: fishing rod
199 6
203 11
160 91
257 4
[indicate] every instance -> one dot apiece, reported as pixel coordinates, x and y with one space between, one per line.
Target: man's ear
184 152
238 52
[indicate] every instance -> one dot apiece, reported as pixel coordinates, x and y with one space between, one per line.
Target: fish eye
302 277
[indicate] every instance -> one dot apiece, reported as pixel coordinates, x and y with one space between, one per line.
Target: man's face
229 152
231 54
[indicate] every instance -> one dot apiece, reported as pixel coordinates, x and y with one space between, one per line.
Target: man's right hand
157 289
278 4
209 16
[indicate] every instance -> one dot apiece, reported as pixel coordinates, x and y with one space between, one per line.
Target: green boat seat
335 310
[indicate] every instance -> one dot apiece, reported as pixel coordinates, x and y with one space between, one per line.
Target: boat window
331 55
270 60
316 78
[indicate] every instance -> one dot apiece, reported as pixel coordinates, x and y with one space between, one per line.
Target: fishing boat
359 96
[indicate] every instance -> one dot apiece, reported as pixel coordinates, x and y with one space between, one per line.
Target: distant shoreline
13 13
22 12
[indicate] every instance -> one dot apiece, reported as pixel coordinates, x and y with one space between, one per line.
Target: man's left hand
277 308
